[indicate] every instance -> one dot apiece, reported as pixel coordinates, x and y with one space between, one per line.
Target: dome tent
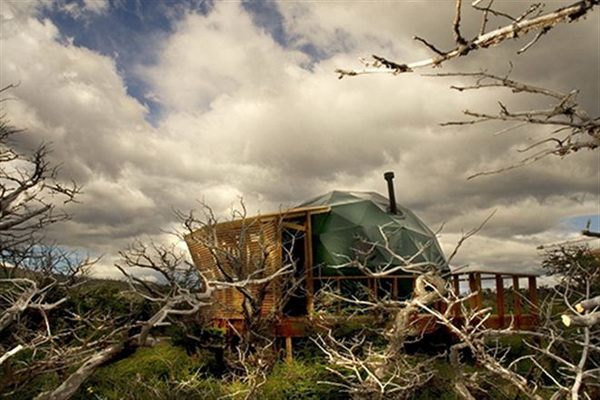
356 217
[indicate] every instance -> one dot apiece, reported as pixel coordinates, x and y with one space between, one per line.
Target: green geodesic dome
356 217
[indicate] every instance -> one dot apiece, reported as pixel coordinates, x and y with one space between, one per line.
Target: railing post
500 300
533 297
479 291
475 287
456 285
517 299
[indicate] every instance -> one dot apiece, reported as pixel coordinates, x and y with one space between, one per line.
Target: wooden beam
291 225
500 300
249 220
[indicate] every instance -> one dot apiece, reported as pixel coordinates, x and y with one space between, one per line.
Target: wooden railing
513 299
512 305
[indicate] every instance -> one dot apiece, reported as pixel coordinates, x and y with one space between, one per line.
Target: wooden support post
473 289
456 285
289 350
375 294
500 300
533 296
479 291
339 302
441 306
395 288
308 265
517 298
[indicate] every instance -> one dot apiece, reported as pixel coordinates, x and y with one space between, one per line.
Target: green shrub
161 372
298 381
204 337
38 385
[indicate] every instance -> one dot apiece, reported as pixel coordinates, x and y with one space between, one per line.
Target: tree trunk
587 320
73 382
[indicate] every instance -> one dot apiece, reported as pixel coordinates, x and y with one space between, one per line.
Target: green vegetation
162 372
167 372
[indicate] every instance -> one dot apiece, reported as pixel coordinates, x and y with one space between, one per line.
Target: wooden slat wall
254 245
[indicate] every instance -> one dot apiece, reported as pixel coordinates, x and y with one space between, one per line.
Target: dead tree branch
518 27
244 257
573 128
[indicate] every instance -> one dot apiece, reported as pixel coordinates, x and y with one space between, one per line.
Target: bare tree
568 357
564 361
35 276
244 259
571 128
364 373
41 316
246 255
46 327
157 275
29 192
179 290
376 372
561 362
251 369
532 20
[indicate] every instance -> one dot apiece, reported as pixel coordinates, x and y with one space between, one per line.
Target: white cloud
243 116
216 55
96 6
85 10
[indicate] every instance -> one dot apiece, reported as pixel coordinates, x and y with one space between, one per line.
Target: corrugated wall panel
241 250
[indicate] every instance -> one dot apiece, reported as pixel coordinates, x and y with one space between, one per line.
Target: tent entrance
294 290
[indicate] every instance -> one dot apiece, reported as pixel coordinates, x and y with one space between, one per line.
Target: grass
161 372
168 371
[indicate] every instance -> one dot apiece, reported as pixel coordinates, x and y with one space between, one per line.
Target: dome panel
355 215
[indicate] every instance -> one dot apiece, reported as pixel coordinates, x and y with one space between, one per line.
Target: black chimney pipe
389 177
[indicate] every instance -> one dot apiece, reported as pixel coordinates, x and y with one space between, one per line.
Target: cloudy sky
152 105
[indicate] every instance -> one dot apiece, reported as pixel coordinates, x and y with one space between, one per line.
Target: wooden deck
513 300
